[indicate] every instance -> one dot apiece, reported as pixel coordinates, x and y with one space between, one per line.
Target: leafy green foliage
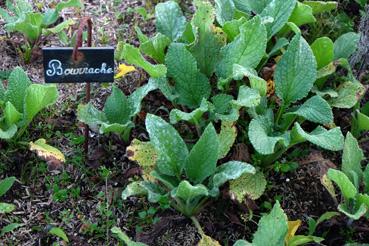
21 102
186 177
5 186
117 113
354 204
20 17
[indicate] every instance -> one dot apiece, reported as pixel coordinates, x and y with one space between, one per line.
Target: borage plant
350 179
187 179
118 113
20 102
20 17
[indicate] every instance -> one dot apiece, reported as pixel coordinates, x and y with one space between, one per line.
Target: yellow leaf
208 241
292 228
54 157
144 154
123 69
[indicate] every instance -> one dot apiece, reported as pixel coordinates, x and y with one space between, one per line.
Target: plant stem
197 225
280 112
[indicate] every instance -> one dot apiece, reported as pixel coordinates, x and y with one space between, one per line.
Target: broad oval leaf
280 11
6 184
262 137
343 182
188 192
315 109
172 150
332 139
117 108
349 93
202 160
272 228
296 72
246 50
352 157
192 86
248 185
170 20
346 45
18 82
323 49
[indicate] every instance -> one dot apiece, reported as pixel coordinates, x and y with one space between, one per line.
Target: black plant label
89 65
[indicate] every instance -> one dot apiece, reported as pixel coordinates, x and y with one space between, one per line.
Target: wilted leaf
227 137
248 185
208 241
293 226
54 157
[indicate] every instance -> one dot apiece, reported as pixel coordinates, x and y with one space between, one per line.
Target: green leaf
6 184
348 190
321 6
9 228
222 103
248 185
242 243
88 114
193 117
202 160
170 20
18 82
272 228
352 157
355 215
346 45
117 108
133 56
323 49
302 240
155 47
172 150
143 188
246 50
229 171
168 91
30 25
327 139
208 42
362 121
239 72
188 192
363 199
56 231
191 85
247 97
316 110
251 5
8 133
366 179
225 11
124 238
280 11
232 28
349 93
6 208
135 99
302 14
227 137
37 98
296 72
12 116
58 28
262 137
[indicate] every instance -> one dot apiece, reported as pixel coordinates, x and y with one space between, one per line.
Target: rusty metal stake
85 22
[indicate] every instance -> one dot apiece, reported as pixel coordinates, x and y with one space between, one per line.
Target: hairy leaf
208 43
133 56
18 82
343 182
248 185
302 14
117 108
170 20
155 47
327 139
349 93
193 117
227 137
202 160
247 97
187 192
352 157
323 49
191 85
322 6
315 109
346 45
225 10
172 150
246 50
296 72
272 228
